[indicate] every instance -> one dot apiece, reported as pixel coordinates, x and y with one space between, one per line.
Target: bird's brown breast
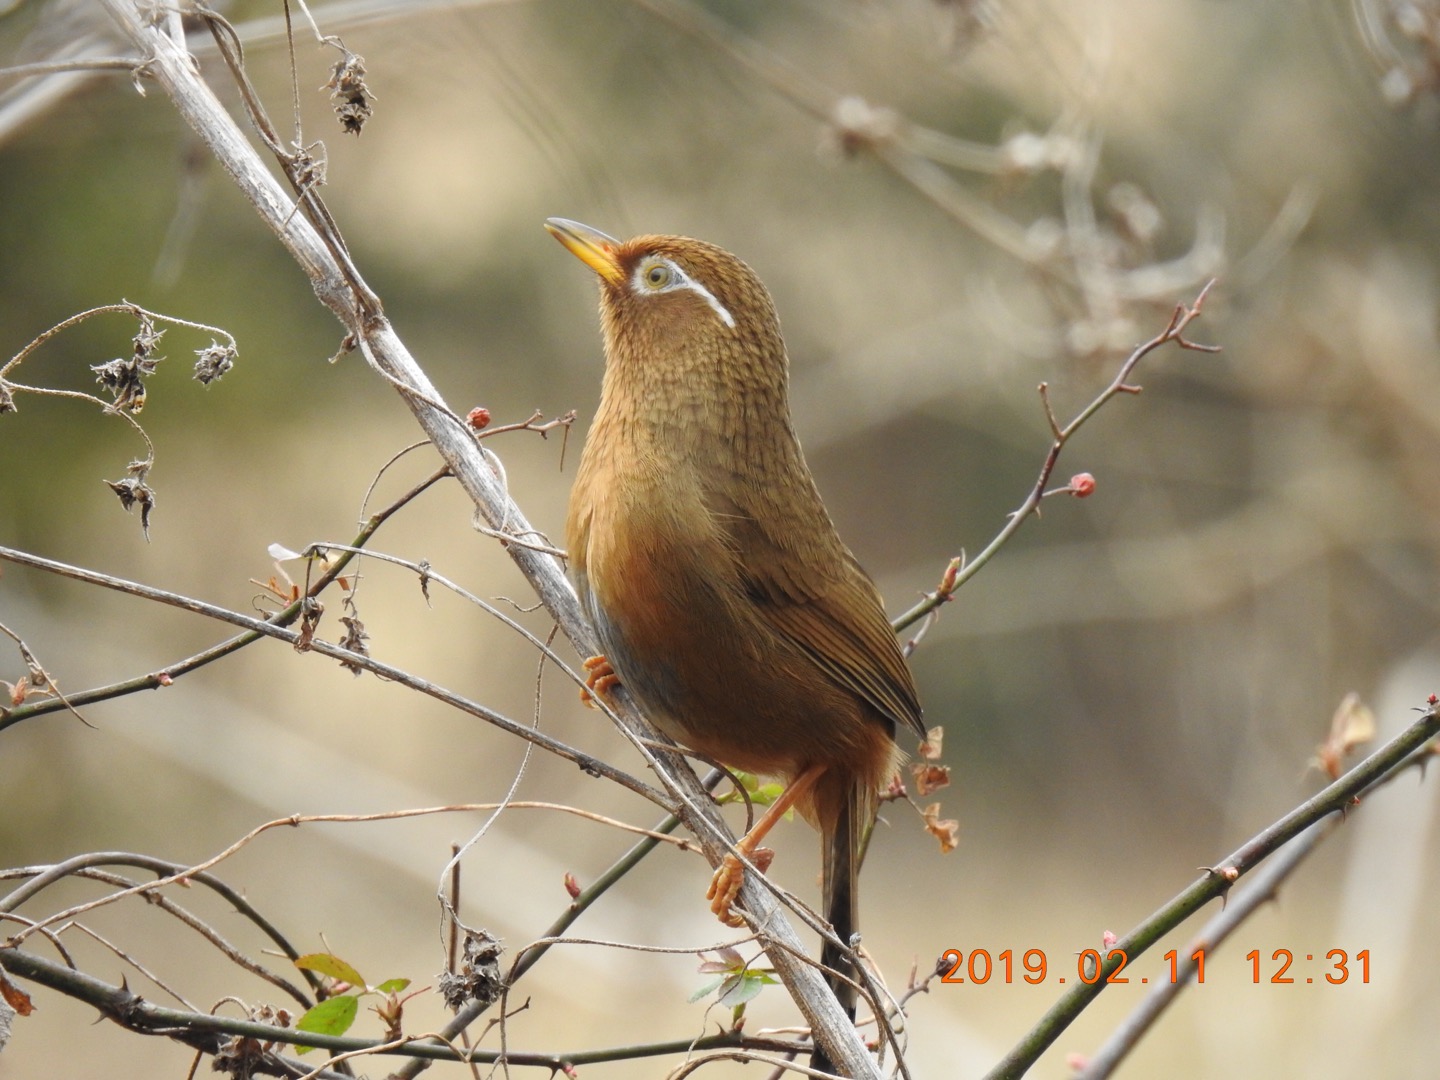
734 642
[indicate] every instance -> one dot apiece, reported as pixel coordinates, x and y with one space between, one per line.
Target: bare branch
1336 798
956 576
593 766
339 286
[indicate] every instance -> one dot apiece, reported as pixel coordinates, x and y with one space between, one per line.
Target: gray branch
338 286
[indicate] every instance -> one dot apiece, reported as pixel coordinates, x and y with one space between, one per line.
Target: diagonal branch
370 332
286 616
1337 798
961 570
304 641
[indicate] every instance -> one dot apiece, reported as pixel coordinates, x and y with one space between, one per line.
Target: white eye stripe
720 309
678 280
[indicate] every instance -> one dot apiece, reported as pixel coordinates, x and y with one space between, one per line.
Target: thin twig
592 765
956 574
58 67
173 872
285 617
196 1028
528 957
164 903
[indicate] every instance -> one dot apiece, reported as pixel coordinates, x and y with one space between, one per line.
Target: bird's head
677 306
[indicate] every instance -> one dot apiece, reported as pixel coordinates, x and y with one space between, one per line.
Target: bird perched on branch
723 599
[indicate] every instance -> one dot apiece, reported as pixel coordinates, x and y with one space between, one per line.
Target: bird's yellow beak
590 246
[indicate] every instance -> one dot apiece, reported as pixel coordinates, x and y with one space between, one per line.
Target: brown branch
210 1033
958 572
85 867
285 617
308 643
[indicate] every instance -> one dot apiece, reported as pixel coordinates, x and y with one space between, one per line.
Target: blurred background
951 203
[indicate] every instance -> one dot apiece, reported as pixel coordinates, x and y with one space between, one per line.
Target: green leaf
326 964
766 794
738 989
392 986
760 794
704 991
333 1016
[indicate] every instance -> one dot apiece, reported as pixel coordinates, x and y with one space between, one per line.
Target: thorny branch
959 571
1263 888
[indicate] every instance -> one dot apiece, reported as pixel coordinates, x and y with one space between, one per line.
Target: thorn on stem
1055 429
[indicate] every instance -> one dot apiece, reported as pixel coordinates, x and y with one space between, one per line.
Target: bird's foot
600 679
725 885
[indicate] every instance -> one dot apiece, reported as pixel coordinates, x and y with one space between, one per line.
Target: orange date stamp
977 967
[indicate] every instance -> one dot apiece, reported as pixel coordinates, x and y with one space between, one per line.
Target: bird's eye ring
657 275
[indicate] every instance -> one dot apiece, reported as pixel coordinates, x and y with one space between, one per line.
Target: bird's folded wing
844 631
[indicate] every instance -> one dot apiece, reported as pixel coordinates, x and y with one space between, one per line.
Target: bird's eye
656 275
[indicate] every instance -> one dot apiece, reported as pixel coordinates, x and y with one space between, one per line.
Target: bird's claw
724 888
729 876
600 679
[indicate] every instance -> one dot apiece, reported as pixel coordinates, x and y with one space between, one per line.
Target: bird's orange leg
600 679
725 885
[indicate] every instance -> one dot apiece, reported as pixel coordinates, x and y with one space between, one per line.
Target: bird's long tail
841 895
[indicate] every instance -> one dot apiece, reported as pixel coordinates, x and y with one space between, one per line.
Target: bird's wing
825 603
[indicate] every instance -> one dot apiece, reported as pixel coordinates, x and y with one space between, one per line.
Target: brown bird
723 599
